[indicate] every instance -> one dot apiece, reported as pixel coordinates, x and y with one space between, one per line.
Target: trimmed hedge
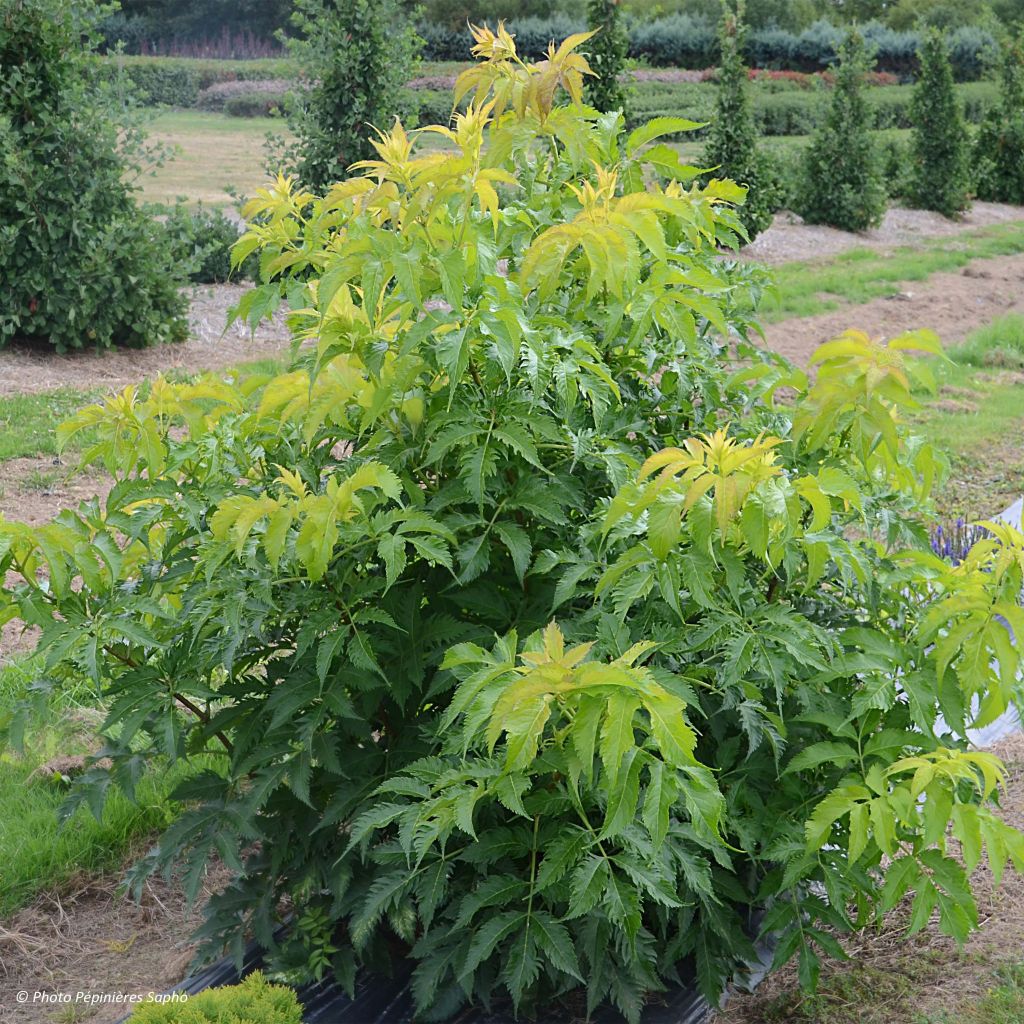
217 96
795 111
780 107
684 41
178 81
259 103
786 112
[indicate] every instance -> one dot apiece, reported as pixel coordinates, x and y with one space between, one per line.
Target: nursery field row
214 155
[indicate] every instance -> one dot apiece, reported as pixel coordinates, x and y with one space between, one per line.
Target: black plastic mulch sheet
389 1001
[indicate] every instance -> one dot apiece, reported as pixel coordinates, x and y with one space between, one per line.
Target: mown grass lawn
37 852
216 153
28 422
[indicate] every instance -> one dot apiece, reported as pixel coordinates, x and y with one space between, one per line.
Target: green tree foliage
536 639
254 999
356 56
200 239
906 15
938 172
843 182
205 19
999 146
455 13
607 55
80 264
732 146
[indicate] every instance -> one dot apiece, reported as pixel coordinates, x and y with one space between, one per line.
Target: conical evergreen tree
999 147
842 175
938 173
732 140
607 55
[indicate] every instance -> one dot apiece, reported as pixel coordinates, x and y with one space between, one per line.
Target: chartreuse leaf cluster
541 627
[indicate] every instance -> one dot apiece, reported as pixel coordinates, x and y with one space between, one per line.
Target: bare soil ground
789 238
209 347
91 939
952 304
34 490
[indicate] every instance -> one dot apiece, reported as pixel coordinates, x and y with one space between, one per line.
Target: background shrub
253 1000
257 103
732 139
842 181
435 107
216 96
356 59
181 81
938 172
677 40
80 264
998 154
895 159
445 42
200 242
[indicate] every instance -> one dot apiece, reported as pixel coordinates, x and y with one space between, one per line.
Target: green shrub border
177 82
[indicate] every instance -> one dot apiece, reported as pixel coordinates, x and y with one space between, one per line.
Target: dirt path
953 304
209 347
790 239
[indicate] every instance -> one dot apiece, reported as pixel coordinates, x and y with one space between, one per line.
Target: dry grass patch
216 153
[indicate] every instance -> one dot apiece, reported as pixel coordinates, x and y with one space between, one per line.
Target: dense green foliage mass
200 240
199 19
203 19
253 1001
939 174
80 264
685 41
180 81
355 57
607 53
535 639
843 183
732 147
999 146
